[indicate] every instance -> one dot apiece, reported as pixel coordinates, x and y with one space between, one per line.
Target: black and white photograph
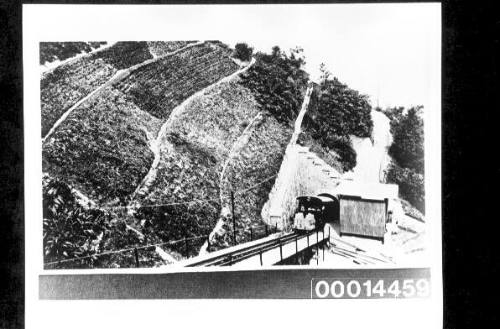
286 138
201 153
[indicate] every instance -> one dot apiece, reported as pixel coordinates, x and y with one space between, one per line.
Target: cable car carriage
310 213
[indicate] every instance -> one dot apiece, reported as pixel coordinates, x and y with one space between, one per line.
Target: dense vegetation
71 230
336 112
102 150
407 151
102 147
159 87
161 48
69 83
125 54
188 171
255 166
278 82
194 153
243 52
52 51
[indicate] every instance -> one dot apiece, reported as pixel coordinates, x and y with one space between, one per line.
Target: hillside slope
72 81
175 129
224 140
103 146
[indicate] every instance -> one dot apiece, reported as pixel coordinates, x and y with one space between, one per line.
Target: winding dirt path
236 148
51 66
224 191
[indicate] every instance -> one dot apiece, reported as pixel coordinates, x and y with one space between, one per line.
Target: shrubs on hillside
72 231
188 171
255 165
161 48
159 87
125 54
407 151
102 148
278 82
411 184
336 112
242 52
408 138
69 83
52 51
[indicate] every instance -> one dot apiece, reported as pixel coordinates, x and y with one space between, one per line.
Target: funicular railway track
250 251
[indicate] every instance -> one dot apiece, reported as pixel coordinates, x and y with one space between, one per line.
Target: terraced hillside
161 48
67 84
103 146
158 88
193 154
59 51
174 137
230 138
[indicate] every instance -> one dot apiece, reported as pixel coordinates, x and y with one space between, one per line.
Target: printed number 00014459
407 288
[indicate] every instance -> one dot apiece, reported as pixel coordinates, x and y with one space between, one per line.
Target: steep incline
372 158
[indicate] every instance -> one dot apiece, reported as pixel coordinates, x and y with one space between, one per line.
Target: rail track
250 251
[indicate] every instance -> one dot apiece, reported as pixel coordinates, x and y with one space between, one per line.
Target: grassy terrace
159 87
68 83
102 147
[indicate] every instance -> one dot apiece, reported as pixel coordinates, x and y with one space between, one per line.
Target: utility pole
234 218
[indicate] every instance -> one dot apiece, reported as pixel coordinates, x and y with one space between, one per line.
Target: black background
470 165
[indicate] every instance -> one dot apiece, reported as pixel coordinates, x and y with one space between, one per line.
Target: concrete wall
301 173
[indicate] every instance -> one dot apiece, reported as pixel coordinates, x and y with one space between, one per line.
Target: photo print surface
201 153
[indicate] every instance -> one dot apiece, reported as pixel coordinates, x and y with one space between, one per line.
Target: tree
325 74
408 140
276 52
411 185
243 52
279 83
69 230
